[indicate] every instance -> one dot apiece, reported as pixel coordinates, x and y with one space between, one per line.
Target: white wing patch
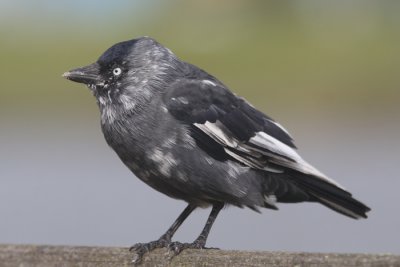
215 131
270 200
268 142
280 153
261 139
208 82
252 163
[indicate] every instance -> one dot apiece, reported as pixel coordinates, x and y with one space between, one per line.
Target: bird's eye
117 71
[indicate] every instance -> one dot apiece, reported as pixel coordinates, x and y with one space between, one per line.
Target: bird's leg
200 242
141 248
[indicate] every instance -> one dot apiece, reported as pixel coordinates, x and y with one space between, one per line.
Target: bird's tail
332 196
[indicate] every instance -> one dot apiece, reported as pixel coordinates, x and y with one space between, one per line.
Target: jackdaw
184 133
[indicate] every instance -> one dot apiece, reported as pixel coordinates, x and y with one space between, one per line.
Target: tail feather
332 197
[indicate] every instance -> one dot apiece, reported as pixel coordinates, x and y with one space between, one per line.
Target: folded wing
228 127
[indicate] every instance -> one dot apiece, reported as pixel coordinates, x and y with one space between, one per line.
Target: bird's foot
140 249
177 247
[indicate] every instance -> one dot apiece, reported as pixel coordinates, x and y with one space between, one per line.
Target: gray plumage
185 134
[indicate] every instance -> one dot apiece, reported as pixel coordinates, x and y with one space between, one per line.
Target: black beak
88 75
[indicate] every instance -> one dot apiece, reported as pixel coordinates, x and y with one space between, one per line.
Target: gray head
128 73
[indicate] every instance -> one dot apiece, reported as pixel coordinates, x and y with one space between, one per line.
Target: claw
142 248
177 247
136 259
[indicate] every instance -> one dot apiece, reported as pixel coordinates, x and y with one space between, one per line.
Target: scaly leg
200 242
165 240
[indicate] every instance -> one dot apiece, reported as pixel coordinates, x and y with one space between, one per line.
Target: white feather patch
108 114
214 130
208 82
251 163
270 199
127 102
289 159
164 160
268 142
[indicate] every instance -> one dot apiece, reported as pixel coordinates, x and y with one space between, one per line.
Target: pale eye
117 71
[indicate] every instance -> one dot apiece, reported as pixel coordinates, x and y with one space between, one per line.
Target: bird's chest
152 148
156 161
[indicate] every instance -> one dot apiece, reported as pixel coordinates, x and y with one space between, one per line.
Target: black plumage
185 134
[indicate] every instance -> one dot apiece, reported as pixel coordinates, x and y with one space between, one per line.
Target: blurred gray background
327 70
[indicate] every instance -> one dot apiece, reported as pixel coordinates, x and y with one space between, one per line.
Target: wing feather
243 133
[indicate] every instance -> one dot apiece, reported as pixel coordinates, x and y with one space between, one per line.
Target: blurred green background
327 70
287 51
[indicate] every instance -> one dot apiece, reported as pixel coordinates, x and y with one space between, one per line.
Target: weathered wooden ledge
44 256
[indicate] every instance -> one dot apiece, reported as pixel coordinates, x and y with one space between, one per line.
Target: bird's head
128 73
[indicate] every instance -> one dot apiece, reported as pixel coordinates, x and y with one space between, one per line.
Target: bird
185 134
